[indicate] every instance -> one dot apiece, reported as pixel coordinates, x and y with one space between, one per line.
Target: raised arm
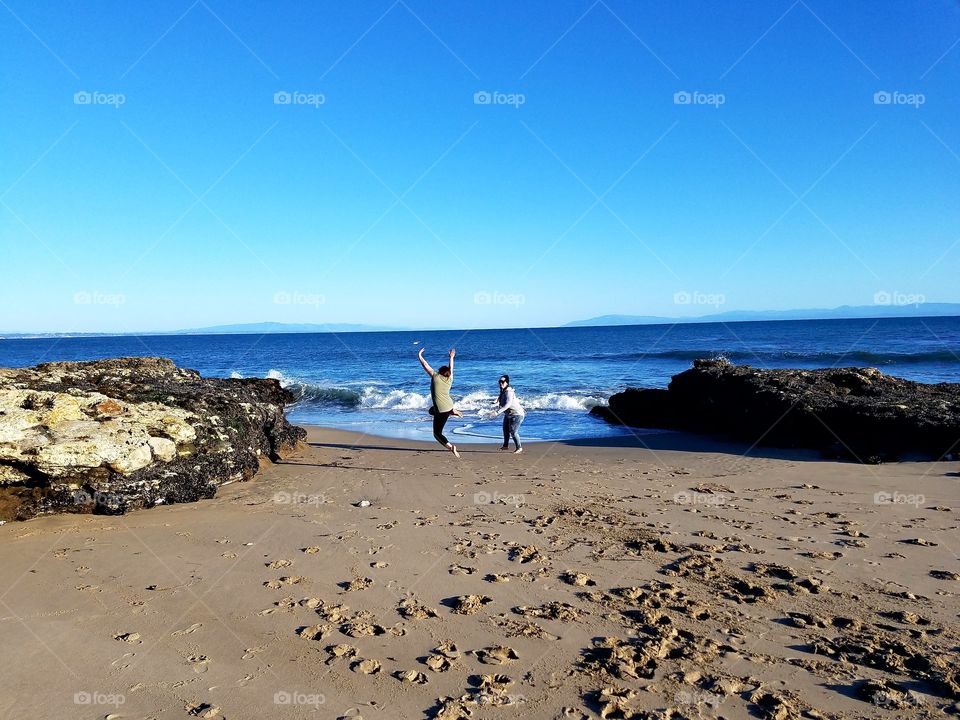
426 366
453 354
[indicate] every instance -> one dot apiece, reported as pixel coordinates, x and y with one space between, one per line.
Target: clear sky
472 164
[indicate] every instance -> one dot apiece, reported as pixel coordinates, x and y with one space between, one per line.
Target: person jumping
440 383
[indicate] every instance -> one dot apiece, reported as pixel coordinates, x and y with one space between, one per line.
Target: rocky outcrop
109 436
856 413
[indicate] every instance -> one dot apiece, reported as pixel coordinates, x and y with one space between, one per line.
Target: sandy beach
580 579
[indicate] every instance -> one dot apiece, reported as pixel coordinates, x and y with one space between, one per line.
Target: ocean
372 382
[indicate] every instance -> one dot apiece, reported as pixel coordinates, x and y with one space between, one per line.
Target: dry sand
596 578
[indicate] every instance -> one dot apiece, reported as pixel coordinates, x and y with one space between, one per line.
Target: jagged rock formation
856 413
109 436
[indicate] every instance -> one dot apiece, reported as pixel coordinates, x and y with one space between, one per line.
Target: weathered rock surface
856 413
109 436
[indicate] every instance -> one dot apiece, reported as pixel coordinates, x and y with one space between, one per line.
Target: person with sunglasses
513 414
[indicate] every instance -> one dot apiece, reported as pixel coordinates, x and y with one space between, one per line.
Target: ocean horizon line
568 326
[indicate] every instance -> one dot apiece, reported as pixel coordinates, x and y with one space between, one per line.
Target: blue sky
668 158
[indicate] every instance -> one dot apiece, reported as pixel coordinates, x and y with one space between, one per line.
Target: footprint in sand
312 550
578 579
461 570
905 617
617 703
448 708
285 580
491 690
276 564
411 676
944 575
202 710
441 657
367 667
919 541
131 637
496 655
199 663
333 613
412 610
564 612
315 632
437 663
527 554
447 649
359 628
379 565
356 584
340 652
519 628
187 631
468 604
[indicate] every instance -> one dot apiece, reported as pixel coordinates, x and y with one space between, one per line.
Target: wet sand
596 578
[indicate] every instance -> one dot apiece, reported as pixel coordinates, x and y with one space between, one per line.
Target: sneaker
518 451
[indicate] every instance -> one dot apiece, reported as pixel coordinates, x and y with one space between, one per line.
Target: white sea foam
393 400
372 396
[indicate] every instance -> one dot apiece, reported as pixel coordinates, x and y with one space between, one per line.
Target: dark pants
511 428
439 420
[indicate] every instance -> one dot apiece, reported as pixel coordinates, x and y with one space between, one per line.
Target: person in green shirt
440 382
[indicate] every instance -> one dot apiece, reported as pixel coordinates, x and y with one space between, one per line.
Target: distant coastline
844 312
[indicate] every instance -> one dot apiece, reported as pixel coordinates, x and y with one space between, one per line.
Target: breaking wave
378 398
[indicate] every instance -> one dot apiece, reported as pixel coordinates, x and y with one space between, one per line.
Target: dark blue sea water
372 382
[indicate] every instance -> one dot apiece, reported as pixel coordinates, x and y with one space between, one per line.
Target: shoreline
652 442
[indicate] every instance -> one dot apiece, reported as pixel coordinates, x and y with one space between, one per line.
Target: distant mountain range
275 327
844 312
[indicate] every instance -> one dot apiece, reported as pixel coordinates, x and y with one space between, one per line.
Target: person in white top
513 414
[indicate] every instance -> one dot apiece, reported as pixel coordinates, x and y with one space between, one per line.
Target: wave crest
372 397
